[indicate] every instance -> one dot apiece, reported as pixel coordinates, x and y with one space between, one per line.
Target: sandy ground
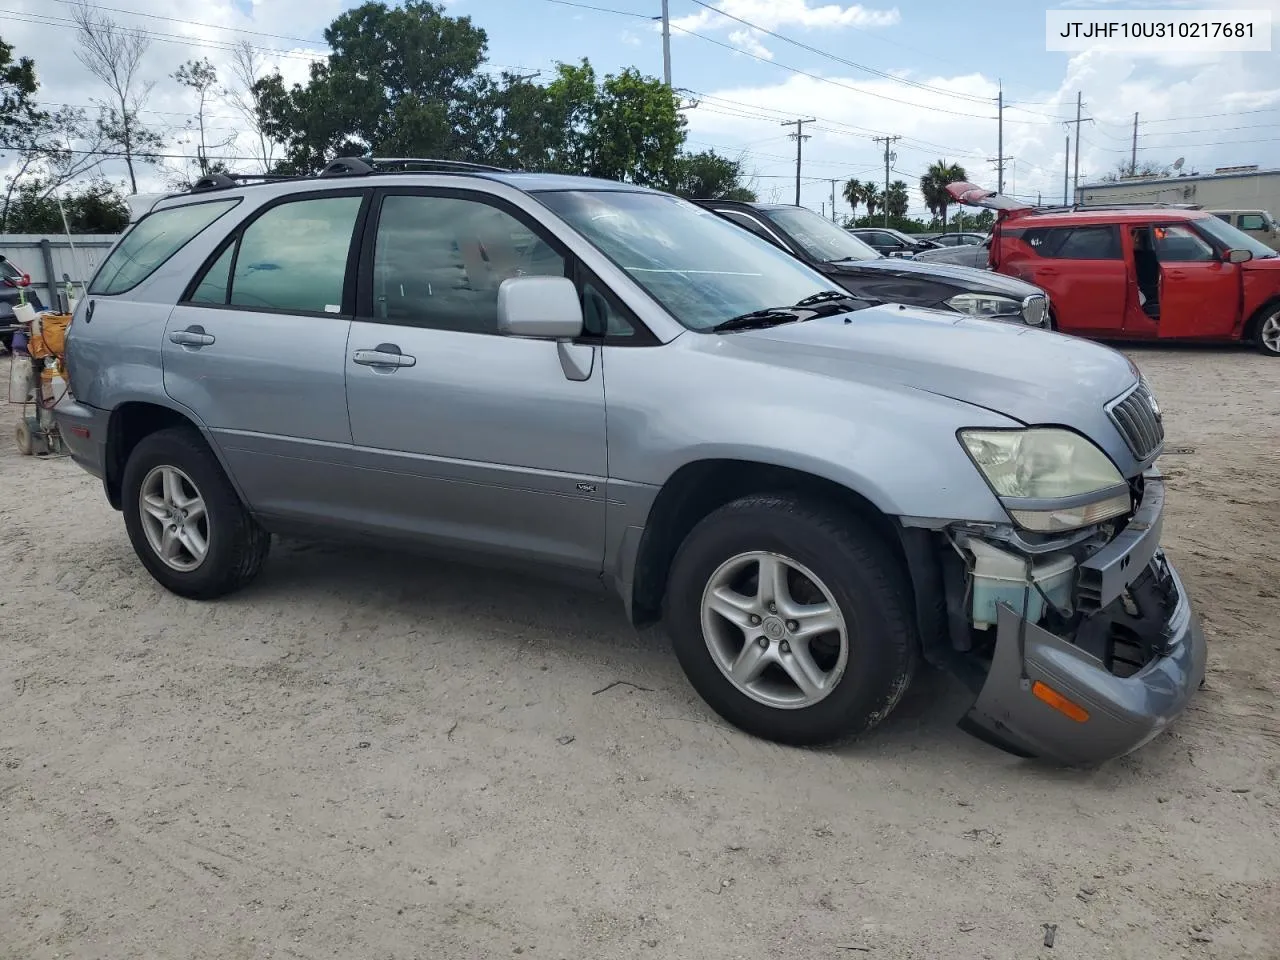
371 756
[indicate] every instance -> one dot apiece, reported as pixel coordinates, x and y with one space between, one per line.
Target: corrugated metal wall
47 258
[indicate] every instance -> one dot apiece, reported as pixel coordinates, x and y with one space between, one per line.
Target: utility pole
799 137
666 43
833 201
888 158
1075 177
1066 168
1000 139
1133 157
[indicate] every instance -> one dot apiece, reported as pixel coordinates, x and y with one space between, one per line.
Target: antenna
1177 164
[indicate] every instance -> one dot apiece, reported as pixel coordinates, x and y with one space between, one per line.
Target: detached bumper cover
1124 712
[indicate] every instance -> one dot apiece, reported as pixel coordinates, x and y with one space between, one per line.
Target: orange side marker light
1060 703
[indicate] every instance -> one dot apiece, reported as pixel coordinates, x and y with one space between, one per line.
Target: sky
926 71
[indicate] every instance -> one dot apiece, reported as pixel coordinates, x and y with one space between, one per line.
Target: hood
1029 375
967 278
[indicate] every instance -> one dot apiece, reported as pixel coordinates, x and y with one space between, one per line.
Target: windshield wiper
826 296
827 303
761 318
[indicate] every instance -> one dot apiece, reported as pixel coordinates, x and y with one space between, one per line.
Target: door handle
383 355
193 336
1175 275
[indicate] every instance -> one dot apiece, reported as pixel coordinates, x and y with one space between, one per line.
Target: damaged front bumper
1135 656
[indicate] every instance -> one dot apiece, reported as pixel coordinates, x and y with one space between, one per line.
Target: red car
1138 272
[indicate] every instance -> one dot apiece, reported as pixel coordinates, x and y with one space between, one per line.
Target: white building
1227 188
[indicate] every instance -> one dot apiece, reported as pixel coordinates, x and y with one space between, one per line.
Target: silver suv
814 493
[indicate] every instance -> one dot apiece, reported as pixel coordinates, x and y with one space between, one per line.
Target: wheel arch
702 486
132 421
1251 327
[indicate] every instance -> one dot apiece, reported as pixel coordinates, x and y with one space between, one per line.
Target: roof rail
462 166
1076 207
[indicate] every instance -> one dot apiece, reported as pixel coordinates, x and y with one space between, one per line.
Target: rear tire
185 520
754 665
1266 334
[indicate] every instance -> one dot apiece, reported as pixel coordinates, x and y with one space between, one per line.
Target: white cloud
1177 103
748 41
772 14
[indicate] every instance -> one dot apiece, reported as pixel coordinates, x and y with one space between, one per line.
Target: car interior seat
1147 267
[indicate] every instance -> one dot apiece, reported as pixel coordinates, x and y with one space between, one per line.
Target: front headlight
1048 479
985 305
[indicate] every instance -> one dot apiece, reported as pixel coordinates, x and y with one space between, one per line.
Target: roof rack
403 163
346 167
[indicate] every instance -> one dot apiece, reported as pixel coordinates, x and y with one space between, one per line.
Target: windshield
8 271
820 238
1234 239
700 267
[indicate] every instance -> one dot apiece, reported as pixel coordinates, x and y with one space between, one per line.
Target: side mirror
542 308
1238 256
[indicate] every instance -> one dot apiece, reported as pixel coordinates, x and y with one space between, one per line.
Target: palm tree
871 197
897 200
933 185
852 194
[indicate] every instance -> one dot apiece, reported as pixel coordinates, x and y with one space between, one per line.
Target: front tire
1266 336
185 520
792 620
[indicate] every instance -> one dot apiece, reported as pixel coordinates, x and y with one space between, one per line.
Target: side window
153 240
1223 216
438 262
601 318
1075 243
294 256
1252 221
1179 244
213 287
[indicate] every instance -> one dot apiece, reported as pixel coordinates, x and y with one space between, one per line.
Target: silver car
562 374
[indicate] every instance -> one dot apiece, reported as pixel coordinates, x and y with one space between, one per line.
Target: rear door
1199 293
1081 267
256 349
467 438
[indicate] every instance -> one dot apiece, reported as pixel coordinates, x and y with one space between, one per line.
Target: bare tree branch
113 54
248 67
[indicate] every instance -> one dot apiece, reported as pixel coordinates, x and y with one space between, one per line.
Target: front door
1199 293
256 350
467 438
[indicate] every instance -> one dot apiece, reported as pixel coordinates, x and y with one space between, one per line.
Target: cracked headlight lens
1049 479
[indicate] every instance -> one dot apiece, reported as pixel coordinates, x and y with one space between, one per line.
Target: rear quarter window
153 240
1100 242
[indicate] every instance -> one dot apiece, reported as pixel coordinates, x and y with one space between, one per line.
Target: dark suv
12 282
865 273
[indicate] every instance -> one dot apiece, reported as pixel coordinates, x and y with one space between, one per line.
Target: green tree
897 200
93 207
933 186
400 82
852 193
709 176
18 86
637 132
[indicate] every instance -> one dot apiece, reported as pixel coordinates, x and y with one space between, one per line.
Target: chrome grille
1034 309
1137 416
